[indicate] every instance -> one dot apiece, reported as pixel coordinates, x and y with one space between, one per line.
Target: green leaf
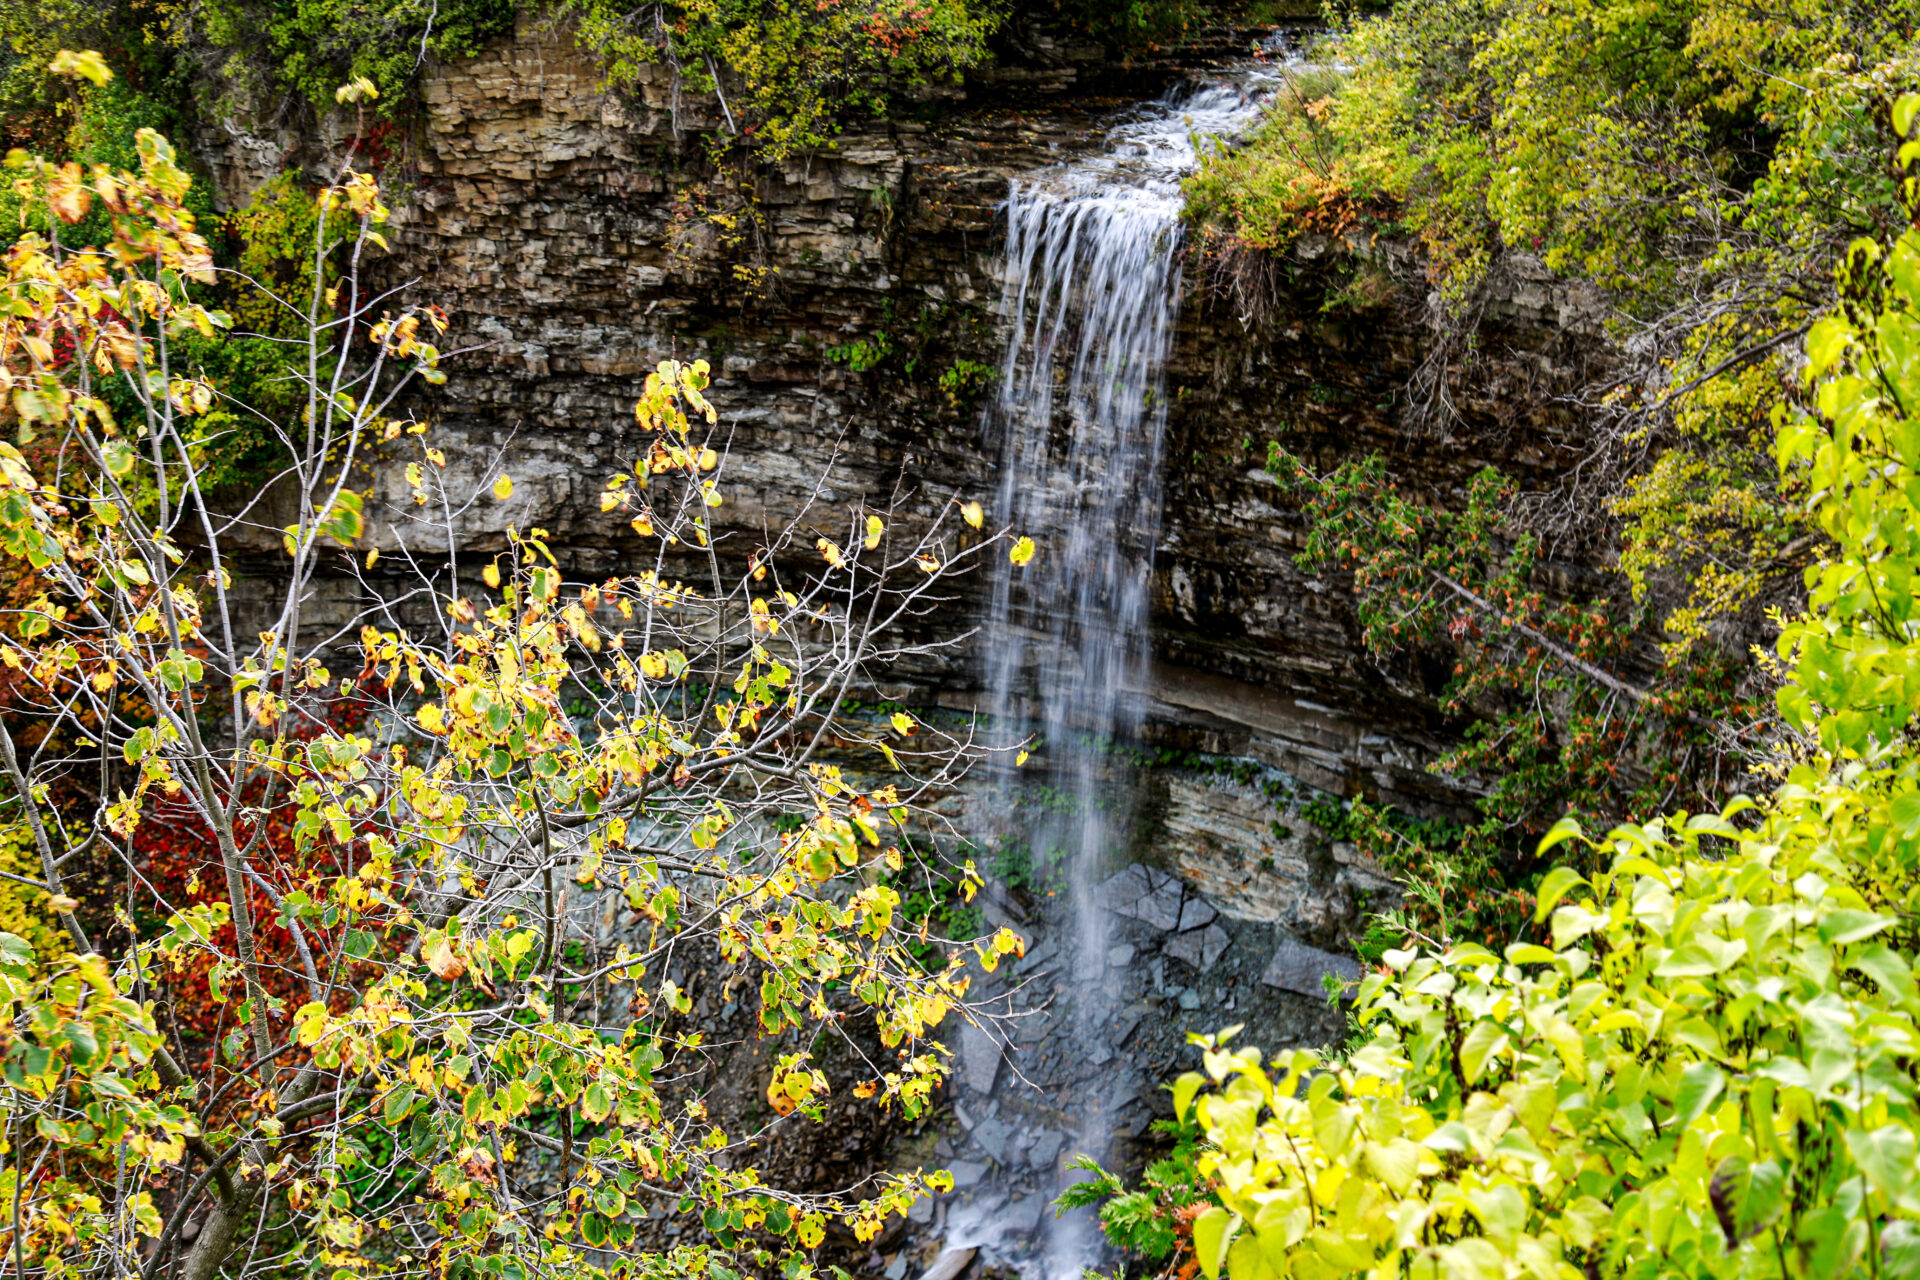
1555 884
1568 828
1904 109
1900 1244
1825 342
1905 811
1184 1089
1395 1163
1886 1156
1700 1084
1889 972
1843 925
1212 1231
1481 1040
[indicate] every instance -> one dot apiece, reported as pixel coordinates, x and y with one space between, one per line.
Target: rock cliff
579 236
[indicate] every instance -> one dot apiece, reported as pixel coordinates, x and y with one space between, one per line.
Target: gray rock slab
949 1265
966 1174
1161 907
1196 913
1201 948
1119 957
979 1059
1038 957
1143 893
1033 1029
1022 1217
1046 1149
1299 968
991 1137
1119 893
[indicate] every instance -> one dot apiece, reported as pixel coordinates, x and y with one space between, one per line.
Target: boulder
1299 968
1200 948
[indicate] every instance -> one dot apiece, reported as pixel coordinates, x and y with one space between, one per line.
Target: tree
432 1057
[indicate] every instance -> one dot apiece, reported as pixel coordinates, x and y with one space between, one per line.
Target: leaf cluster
442 1054
1708 1065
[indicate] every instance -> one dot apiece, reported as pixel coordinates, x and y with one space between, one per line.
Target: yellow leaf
491 575
373 556
826 548
88 65
928 563
902 723
1021 551
709 459
973 514
874 530
1019 759
503 487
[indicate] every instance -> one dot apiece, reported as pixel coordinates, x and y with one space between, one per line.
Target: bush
367 931
304 49
1712 1070
802 66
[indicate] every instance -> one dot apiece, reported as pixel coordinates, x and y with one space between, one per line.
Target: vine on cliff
1551 726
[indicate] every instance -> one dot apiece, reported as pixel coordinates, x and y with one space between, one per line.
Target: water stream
1091 290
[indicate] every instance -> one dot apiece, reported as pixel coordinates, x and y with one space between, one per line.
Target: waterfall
1090 294
1091 285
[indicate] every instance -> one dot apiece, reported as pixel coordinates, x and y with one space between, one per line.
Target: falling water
1091 290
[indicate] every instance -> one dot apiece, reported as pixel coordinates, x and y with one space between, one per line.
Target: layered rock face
580 236
847 301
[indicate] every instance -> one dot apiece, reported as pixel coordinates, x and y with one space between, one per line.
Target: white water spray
1091 291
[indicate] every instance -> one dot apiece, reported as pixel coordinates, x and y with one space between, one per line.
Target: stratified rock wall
570 232
566 228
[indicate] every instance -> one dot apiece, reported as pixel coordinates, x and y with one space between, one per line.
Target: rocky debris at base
1092 1041
1200 948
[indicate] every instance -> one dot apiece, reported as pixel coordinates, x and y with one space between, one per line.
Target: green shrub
802 66
305 49
1712 1070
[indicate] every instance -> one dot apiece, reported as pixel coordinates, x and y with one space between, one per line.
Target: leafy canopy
1712 1068
437 1052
